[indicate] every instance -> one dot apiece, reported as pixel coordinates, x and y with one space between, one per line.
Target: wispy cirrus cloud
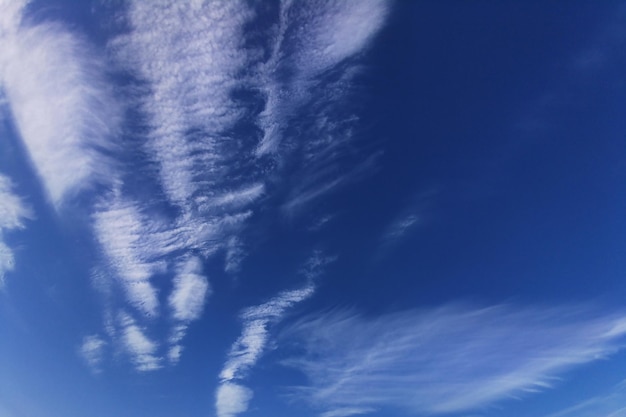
445 360
92 351
610 404
310 70
232 398
247 350
13 212
59 101
400 228
191 57
191 289
200 82
134 246
347 411
311 38
141 348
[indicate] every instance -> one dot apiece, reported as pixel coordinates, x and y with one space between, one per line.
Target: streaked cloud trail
445 360
60 102
231 397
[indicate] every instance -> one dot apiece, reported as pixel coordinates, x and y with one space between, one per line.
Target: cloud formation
445 360
140 347
92 351
191 289
13 212
134 245
191 57
59 101
232 399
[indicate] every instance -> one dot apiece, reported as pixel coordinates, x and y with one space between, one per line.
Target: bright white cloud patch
232 399
12 215
445 360
140 347
190 291
59 101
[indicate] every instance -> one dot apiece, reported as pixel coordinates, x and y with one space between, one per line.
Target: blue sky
315 208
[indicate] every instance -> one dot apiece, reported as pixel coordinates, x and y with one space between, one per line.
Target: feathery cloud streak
232 398
445 360
141 348
311 38
190 56
135 246
310 70
13 212
59 102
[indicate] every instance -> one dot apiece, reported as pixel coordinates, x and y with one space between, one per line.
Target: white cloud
186 301
444 360
92 351
141 348
247 350
191 54
312 37
400 228
347 411
190 291
335 31
59 102
232 399
13 212
134 246
240 197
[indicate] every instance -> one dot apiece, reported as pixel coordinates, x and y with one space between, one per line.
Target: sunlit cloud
232 399
445 360
252 344
59 101
138 345
191 289
191 57
311 38
134 246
